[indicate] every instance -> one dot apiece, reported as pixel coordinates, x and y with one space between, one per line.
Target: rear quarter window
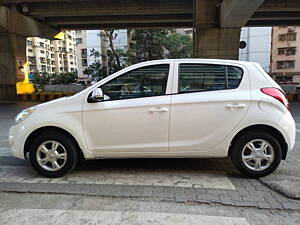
234 75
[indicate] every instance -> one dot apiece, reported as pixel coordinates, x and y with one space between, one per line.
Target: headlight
23 115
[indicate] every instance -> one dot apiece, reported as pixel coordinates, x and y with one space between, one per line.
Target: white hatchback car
183 108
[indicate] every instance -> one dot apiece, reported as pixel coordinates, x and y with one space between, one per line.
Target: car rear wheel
53 154
256 154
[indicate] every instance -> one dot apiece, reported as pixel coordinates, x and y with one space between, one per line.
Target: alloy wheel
258 155
51 155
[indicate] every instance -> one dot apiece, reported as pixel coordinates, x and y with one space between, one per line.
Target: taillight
278 94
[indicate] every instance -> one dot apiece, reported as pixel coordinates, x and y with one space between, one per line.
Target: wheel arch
263 128
40 130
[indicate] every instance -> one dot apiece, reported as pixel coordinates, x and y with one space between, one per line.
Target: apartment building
65 54
258 45
40 55
57 56
285 57
81 49
88 42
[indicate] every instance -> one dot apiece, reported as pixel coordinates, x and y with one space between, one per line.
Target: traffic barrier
43 96
294 97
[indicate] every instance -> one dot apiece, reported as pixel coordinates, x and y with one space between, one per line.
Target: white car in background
179 108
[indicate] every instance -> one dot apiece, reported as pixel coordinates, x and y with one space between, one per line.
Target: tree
177 46
96 71
42 78
130 44
112 36
45 78
64 78
104 57
145 45
148 44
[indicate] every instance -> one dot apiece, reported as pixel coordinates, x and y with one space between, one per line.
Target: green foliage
177 46
42 78
148 44
64 78
154 44
112 62
45 78
95 71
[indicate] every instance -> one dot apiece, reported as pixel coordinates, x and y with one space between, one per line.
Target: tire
269 158
65 155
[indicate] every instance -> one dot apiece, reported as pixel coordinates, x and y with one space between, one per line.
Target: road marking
295 158
170 178
63 217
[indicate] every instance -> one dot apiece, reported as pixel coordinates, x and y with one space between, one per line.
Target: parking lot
147 191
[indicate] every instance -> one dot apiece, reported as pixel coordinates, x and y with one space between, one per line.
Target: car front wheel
256 154
53 154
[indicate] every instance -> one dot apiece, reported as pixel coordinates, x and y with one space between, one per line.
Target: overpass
216 23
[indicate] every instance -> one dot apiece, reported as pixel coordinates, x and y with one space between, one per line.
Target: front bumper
16 141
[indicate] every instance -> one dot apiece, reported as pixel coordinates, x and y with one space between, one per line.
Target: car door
134 116
208 101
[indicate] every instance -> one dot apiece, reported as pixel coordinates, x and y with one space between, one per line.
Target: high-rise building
285 60
57 56
40 55
88 42
81 49
258 45
65 54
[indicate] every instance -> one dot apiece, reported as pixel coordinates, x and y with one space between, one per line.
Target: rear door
208 101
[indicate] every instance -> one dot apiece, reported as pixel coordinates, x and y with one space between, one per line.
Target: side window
208 77
143 82
201 77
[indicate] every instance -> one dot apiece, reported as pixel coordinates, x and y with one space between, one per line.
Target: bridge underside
216 23
92 14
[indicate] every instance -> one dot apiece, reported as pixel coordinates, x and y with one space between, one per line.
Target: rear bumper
288 130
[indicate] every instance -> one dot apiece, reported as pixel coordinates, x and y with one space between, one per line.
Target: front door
134 115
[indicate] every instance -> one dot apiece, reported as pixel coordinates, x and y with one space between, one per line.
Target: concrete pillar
219 43
11 46
211 41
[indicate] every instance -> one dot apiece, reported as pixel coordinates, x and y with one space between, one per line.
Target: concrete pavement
286 178
143 191
28 209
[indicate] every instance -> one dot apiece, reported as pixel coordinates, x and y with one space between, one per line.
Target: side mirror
97 95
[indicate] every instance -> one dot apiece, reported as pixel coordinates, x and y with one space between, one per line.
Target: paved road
286 178
142 191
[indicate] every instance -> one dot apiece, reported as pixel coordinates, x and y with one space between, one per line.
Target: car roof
201 60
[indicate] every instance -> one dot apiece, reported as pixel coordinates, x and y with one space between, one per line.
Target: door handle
235 106
158 109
